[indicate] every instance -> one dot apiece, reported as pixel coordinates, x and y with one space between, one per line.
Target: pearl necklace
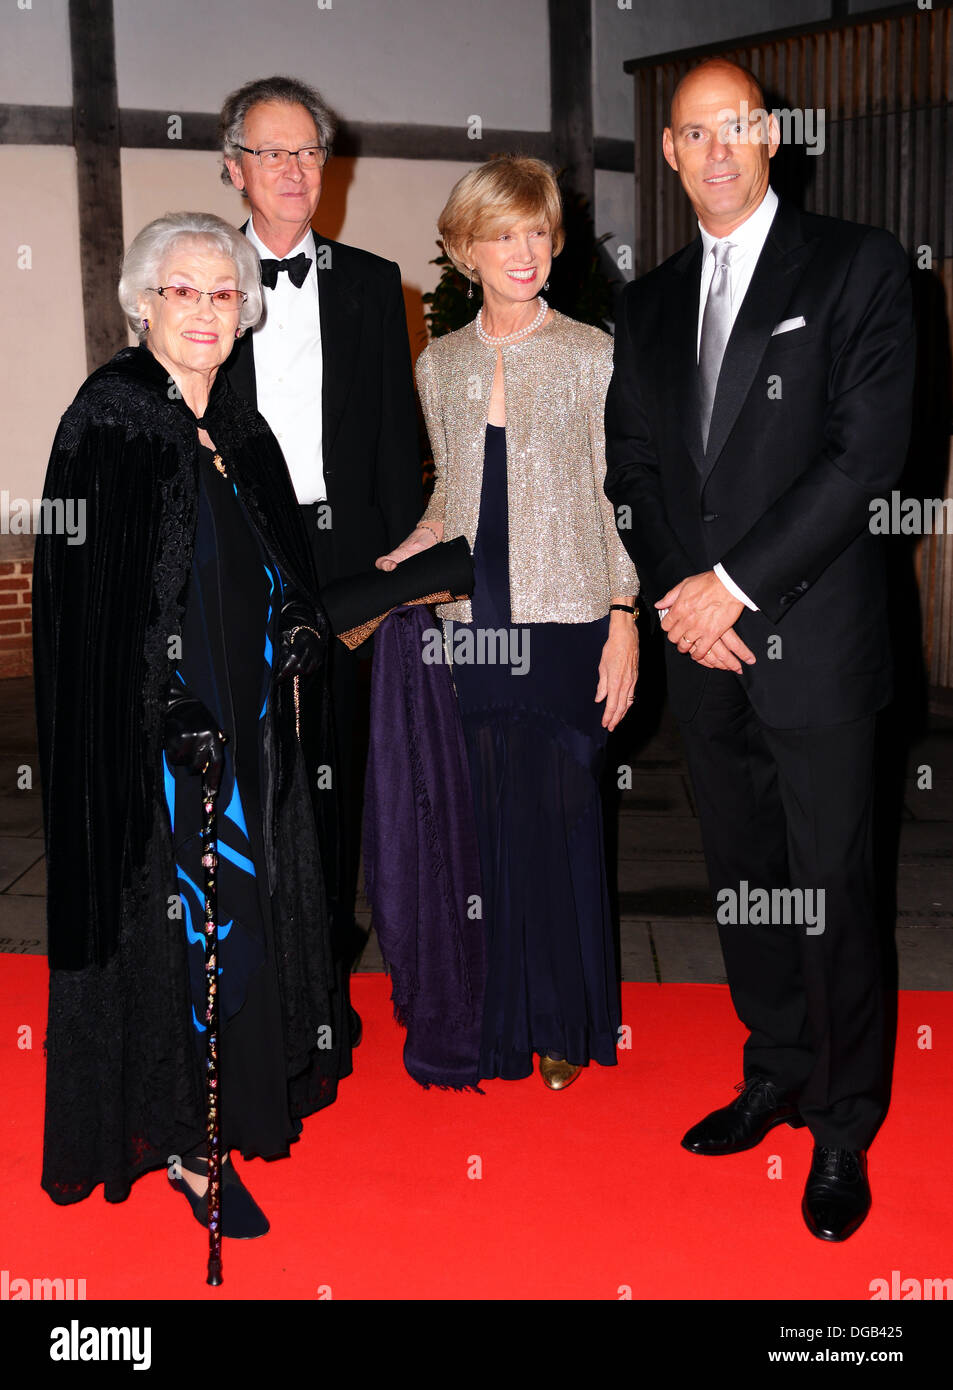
511 337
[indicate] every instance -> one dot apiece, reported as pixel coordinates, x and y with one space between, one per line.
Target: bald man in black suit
760 401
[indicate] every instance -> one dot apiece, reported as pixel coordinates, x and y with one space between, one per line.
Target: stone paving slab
637 961
21 813
371 958
688 952
925 889
925 956
933 805
651 888
925 839
658 837
22 924
33 882
658 794
17 855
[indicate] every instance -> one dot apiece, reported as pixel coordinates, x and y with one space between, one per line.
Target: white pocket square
786 325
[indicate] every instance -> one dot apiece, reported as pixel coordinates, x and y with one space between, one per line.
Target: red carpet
585 1194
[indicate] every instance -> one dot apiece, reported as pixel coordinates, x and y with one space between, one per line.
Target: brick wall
16 585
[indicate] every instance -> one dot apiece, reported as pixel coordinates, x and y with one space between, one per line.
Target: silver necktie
716 327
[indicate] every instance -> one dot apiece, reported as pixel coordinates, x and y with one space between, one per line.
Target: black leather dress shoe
837 1193
744 1123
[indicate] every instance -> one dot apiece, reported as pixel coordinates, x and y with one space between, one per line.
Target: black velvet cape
124 1088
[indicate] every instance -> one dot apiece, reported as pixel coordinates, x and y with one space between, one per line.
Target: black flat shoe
837 1193
242 1217
745 1122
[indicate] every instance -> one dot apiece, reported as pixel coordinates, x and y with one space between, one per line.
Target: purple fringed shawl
421 859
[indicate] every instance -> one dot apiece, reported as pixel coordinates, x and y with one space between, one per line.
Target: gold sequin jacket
566 558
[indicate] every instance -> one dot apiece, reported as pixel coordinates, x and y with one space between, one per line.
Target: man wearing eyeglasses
329 368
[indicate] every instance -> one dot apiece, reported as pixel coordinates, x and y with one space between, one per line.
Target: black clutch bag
356 606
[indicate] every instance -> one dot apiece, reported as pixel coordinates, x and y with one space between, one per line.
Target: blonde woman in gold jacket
545 655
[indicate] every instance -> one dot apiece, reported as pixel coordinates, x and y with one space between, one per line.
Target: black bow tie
297 268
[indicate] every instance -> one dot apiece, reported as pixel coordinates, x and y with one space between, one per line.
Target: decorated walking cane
213 1097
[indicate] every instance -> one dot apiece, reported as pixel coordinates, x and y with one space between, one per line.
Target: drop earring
546 287
145 325
470 290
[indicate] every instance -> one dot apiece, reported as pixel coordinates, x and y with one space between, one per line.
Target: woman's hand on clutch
618 669
302 642
421 538
192 738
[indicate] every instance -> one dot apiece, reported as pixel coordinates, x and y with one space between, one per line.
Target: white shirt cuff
733 589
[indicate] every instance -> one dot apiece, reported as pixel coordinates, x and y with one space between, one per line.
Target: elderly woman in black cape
163 644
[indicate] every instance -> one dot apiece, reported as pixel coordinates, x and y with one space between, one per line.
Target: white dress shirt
748 243
289 368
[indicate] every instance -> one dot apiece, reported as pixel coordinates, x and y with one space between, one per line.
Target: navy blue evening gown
536 748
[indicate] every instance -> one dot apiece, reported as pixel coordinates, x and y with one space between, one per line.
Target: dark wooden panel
570 93
149 130
140 129
379 140
99 184
749 41
35 125
612 154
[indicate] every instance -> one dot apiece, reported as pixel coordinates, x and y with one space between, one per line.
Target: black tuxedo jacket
370 445
808 426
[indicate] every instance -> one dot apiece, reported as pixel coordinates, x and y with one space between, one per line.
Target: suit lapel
680 348
240 367
783 258
339 301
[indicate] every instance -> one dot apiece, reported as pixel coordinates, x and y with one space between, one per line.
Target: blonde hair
509 187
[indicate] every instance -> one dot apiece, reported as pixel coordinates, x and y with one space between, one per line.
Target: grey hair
231 122
144 259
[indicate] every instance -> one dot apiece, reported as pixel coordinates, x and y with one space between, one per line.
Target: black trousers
349 708
782 809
